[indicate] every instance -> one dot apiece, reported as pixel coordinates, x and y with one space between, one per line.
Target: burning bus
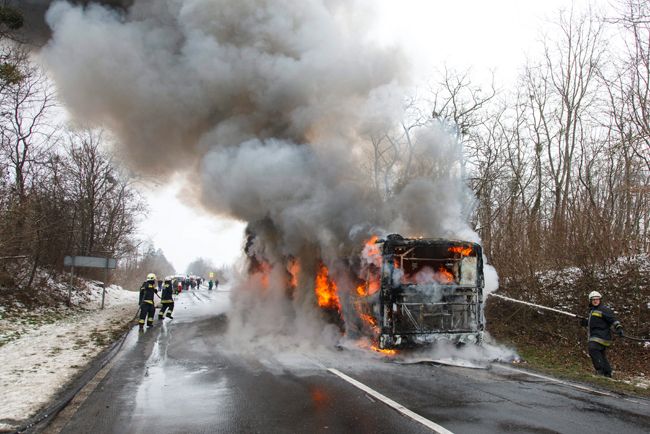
411 291
422 290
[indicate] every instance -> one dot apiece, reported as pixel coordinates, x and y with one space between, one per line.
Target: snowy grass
45 345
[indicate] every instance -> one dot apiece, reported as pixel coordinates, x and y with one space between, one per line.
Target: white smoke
279 104
474 356
491 279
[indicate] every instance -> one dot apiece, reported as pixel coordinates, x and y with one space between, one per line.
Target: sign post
89 262
70 287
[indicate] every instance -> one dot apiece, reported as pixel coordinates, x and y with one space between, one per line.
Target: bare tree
25 131
104 203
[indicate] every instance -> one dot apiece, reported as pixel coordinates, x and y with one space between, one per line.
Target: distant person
216 283
167 300
186 283
147 307
210 284
599 321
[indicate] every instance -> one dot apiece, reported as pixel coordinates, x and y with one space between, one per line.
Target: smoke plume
283 106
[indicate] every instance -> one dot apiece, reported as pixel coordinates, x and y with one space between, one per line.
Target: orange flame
371 252
265 272
293 267
369 319
373 285
384 351
370 287
371 248
444 275
463 251
326 290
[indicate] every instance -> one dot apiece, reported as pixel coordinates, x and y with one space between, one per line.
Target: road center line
389 402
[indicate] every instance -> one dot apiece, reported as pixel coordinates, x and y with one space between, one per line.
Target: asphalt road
184 376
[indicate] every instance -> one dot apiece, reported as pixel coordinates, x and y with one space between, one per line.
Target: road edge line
557 380
389 402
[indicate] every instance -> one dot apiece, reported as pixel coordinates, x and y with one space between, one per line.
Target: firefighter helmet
151 276
594 294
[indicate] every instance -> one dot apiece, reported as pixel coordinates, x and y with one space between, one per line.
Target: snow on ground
38 363
639 381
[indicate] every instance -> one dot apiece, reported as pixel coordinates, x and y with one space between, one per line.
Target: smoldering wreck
411 292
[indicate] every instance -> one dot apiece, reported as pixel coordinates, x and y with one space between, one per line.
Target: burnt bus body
430 289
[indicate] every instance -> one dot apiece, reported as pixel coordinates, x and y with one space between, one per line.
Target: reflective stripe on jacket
147 291
601 319
166 296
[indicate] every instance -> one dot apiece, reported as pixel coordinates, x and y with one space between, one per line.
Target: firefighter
147 307
167 300
599 321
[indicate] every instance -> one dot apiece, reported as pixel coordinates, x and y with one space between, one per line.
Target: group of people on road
147 303
170 286
167 288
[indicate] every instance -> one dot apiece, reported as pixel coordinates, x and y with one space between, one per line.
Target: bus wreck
429 289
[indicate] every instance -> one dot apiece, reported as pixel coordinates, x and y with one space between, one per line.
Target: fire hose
539 306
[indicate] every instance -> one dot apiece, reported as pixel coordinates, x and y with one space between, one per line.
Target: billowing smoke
290 112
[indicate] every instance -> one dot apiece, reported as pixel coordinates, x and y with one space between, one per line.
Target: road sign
89 261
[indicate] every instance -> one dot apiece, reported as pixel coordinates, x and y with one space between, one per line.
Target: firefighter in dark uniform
147 307
599 322
167 300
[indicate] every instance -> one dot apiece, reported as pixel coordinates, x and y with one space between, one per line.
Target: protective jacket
147 291
599 321
167 292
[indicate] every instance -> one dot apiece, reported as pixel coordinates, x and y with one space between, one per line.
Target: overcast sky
483 35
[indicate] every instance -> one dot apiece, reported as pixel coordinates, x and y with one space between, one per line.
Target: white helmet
594 294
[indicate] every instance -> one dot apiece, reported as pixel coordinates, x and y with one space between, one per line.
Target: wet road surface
183 376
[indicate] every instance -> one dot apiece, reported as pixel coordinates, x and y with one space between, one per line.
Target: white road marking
555 380
389 402
575 386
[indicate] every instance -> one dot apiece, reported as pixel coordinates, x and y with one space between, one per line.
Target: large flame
462 250
326 290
